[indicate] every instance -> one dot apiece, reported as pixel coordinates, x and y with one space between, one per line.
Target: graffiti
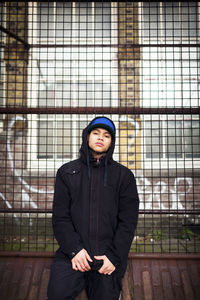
160 195
153 194
26 187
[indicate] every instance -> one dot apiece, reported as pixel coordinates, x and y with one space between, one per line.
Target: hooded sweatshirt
95 207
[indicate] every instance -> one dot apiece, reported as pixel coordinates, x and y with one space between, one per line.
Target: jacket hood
85 152
86 155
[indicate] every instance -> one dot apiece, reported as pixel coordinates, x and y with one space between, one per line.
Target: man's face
99 140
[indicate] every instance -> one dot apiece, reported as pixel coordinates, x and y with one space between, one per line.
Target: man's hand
107 267
80 261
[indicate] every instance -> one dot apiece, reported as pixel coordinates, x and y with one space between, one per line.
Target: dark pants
66 283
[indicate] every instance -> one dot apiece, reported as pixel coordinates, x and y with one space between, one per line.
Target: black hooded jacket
95 207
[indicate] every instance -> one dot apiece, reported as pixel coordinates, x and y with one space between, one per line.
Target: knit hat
102 122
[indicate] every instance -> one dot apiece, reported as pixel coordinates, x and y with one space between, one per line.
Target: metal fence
62 63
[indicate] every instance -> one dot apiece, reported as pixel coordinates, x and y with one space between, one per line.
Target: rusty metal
118 45
135 256
141 211
100 110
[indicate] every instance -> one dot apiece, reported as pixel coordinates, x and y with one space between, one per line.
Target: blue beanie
102 122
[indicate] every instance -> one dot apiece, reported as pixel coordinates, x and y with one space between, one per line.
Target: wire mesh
62 63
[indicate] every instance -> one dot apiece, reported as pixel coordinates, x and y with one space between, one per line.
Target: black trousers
66 283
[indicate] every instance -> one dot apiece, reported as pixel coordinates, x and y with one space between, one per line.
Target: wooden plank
25 281
44 283
2 268
156 280
38 267
137 280
148 295
146 278
128 284
166 281
176 280
187 285
13 285
195 278
7 275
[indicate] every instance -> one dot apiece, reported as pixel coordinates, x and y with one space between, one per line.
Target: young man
95 212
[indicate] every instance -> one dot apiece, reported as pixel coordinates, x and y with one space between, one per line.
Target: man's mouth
99 144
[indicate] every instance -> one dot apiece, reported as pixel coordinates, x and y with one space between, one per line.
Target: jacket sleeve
127 221
64 231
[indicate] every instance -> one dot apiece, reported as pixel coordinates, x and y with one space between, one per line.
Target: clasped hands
80 263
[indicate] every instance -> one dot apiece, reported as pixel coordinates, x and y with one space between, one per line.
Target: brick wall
129 83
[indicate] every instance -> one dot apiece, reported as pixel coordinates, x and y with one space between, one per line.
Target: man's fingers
74 267
110 272
84 263
80 267
103 270
88 257
100 257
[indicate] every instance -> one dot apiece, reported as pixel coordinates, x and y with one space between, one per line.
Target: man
95 212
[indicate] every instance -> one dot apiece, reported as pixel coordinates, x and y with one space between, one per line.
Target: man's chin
95 152
98 152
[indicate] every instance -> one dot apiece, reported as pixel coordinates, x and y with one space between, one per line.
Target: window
69 67
172 138
170 78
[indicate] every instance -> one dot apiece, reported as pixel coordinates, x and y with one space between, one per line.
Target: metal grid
62 63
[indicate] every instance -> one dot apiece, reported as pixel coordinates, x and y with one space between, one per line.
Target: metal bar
163 256
142 211
101 45
16 37
99 110
112 45
131 255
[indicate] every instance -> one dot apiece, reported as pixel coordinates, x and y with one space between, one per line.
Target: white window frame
50 164
165 163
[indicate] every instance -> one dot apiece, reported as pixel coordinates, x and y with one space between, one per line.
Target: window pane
46 95
102 94
45 139
83 20
171 25
153 139
63 94
85 94
63 19
102 20
45 20
192 139
64 140
151 15
174 139
189 13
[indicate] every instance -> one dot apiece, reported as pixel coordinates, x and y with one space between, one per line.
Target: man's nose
100 137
